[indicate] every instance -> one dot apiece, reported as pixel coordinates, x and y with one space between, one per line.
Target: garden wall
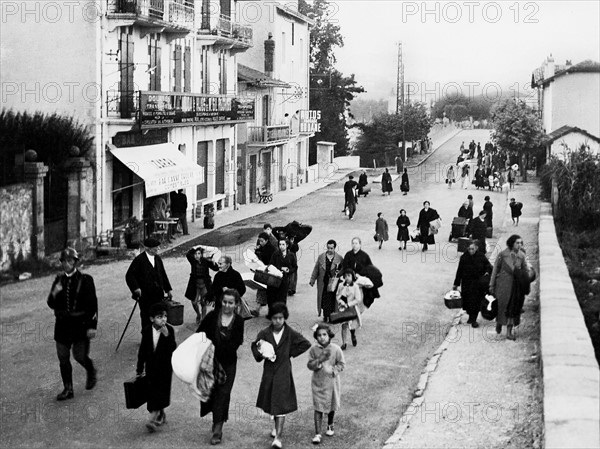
15 224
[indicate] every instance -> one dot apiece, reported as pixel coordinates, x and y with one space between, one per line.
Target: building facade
155 81
274 73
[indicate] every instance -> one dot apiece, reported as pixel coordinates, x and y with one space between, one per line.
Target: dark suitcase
136 392
209 222
489 232
174 313
463 244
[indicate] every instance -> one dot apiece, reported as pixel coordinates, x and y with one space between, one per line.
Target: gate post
77 168
35 172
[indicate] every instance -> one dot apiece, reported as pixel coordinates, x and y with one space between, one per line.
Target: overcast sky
490 43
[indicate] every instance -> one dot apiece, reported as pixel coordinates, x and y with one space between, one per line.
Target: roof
295 14
587 66
257 78
566 129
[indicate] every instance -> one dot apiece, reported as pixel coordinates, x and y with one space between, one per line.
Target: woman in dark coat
225 329
386 182
403 222
277 392
426 216
473 275
405 185
487 207
507 262
362 182
199 288
356 258
284 260
479 178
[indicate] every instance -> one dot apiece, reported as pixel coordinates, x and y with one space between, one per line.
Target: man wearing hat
478 228
147 279
73 299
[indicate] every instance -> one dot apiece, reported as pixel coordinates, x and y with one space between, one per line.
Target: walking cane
128 321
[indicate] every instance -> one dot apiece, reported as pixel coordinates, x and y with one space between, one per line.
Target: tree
330 91
384 133
517 128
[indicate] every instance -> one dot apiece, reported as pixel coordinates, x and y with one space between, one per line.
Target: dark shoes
343 347
217 435
91 379
67 393
475 324
498 329
353 337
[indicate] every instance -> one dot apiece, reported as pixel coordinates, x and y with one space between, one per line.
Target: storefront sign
138 139
159 109
310 121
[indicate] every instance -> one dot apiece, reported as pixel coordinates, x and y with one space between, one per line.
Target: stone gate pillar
77 168
325 158
35 172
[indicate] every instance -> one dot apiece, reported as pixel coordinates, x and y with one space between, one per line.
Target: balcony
123 105
268 135
222 31
160 16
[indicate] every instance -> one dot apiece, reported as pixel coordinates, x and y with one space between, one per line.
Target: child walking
326 360
515 211
349 294
381 229
158 344
275 345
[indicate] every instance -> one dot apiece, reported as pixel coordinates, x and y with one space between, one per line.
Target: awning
162 167
257 78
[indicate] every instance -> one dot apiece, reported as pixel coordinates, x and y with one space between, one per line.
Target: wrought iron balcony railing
268 134
176 12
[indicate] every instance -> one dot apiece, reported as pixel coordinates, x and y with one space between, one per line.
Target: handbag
348 314
489 307
453 299
332 284
136 392
376 237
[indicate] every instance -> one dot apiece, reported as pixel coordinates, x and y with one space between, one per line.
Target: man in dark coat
473 273
356 259
350 196
227 278
179 206
147 279
478 228
73 299
426 216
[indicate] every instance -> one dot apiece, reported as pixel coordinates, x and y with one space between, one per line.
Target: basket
453 299
268 279
174 313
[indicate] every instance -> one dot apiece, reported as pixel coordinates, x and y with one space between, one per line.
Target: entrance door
282 174
55 209
220 167
252 180
202 159
266 166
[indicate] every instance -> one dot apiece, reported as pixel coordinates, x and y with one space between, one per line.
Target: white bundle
363 281
272 269
186 358
210 252
266 350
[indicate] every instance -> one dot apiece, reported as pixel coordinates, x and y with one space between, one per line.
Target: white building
274 73
569 99
155 81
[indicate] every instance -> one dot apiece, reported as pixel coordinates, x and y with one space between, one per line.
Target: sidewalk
480 389
250 210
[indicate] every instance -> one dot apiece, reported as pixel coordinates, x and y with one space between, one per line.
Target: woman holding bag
426 216
225 329
324 273
348 295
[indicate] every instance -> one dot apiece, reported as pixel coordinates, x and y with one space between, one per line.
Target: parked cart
459 228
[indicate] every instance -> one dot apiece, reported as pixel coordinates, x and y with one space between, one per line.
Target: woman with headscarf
405 185
386 182
426 216
506 285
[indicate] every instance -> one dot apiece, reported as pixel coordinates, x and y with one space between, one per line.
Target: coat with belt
318 274
157 365
501 282
151 280
199 270
277 392
80 313
381 229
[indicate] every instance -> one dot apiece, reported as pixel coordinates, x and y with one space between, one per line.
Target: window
187 69
204 70
155 53
126 68
122 193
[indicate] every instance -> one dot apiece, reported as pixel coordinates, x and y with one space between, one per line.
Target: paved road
400 331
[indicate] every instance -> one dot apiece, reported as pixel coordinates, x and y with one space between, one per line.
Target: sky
471 47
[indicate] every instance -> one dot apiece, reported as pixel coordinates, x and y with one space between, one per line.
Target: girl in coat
277 393
326 361
349 294
403 222
426 216
199 288
381 229
405 186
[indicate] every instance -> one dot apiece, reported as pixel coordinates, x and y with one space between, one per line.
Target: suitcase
366 190
136 392
463 244
174 313
489 232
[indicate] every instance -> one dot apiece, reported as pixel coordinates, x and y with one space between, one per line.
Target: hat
69 253
151 243
482 213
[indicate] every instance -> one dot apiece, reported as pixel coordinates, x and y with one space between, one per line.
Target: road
400 332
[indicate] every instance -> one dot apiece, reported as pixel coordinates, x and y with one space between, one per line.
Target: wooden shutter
177 72
126 67
187 70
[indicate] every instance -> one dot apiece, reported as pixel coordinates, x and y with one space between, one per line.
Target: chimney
549 67
269 55
568 63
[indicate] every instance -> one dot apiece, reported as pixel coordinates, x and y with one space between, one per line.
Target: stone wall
15 224
570 370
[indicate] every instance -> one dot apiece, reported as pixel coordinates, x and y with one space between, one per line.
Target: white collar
70 275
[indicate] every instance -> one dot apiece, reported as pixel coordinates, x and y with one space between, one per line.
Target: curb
418 398
450 136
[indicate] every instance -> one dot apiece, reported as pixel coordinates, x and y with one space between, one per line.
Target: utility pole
400 95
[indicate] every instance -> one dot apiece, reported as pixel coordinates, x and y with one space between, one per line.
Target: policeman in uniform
73 299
